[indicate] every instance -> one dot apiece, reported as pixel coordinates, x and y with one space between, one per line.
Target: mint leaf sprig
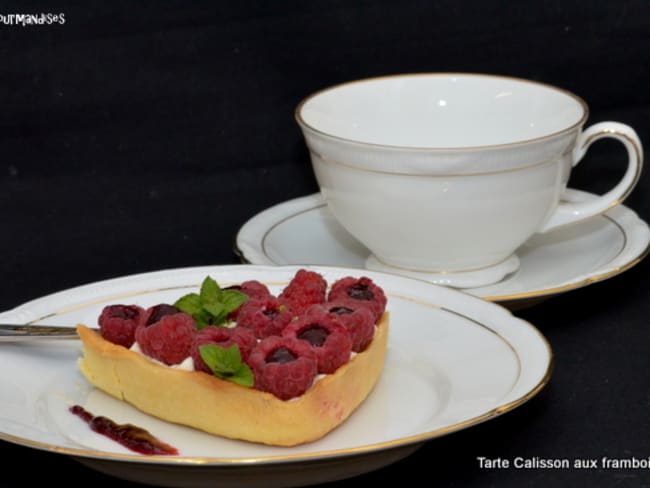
226 363
212 305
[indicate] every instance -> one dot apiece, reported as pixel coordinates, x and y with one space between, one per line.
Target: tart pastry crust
224 408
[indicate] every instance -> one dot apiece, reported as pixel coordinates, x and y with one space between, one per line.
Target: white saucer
458 279
303 231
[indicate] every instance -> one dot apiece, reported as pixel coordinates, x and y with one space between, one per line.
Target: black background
140 136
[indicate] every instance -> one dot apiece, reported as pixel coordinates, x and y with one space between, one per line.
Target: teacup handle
569 212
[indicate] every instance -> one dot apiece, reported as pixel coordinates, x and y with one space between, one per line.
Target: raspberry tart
242 363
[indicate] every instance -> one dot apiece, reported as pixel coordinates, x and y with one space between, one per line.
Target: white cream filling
186 364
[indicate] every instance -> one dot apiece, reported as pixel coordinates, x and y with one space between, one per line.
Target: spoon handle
18 332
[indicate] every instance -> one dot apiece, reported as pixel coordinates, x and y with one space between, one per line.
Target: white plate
468 360
303 231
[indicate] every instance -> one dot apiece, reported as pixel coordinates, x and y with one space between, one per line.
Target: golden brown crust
223 408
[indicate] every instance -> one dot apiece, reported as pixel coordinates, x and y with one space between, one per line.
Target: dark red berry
157 312
245 339
223 337
281 355
264 316
283 366
305 288
362 291
358 319
117 323
254 289
315 334
168 340
327 336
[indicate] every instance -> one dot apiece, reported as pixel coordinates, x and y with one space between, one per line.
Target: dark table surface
141 137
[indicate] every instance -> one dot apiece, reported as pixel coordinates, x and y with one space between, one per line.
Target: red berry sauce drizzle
130 436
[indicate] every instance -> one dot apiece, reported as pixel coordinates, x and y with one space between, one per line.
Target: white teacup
444 176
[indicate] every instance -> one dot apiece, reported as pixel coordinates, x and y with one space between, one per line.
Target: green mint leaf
203 319
190 303
226 363
212 305
210 291
243 376
217 312
232 300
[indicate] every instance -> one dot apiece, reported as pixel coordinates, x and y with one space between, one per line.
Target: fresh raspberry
254 289
223 337
168 339
157 312
305 288
283 366
264 316
245 339
326 334
358 319
251 288
117 323
363 291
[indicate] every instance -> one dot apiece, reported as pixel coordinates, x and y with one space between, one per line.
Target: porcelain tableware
303 230
469 361
448 174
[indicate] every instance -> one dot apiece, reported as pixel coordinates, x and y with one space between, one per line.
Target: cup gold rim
579 123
